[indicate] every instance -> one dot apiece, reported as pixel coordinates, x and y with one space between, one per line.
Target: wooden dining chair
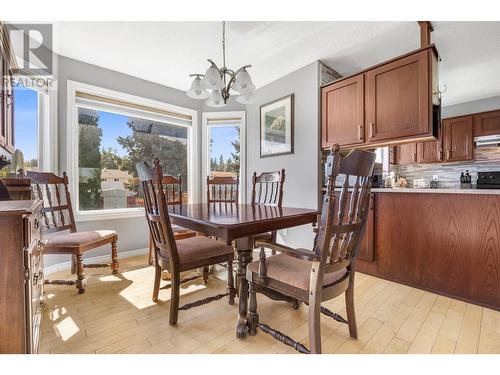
327 271
267 189
57 216
172 186
222 189
178 256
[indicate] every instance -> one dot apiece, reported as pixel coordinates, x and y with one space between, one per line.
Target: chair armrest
297 253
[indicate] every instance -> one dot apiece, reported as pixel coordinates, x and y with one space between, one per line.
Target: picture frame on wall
276 127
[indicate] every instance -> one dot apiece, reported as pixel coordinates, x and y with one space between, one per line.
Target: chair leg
349 305
73 264
156 285
150 256
174 298
205 275
230 282
253 317
81 281
314 326
114 258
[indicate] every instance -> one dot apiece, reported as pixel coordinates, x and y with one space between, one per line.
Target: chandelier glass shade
197 91
217 83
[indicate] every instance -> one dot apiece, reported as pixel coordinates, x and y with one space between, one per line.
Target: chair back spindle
345 207
222 189
57 211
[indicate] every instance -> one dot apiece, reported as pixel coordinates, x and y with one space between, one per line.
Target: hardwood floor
116 315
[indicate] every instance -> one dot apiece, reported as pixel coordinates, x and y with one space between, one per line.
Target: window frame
72 148
47 142
205 164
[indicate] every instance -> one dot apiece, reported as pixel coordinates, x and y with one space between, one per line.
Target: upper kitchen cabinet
458 139
429 152
343 112
398 106
397 99
405 154
487 123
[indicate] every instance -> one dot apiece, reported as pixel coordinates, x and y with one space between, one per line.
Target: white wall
301 167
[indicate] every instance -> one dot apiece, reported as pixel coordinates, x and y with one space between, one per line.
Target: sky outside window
26 122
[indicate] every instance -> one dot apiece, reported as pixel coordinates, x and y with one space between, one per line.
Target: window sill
97 215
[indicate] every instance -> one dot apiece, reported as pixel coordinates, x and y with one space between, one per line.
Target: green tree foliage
17 161
110 160
144 145
89 159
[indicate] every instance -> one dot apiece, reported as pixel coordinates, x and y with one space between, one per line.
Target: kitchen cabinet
429 152
397 98
440 242
343 112
487 123
405 154
366 245
458 140
391 103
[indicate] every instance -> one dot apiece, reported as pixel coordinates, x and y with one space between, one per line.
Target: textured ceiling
167 52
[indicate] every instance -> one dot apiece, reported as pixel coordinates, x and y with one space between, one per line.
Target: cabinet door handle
448 154
415 157
36 224
360 132
372 129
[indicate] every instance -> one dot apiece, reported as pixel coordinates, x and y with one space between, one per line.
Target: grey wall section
301 188
133 232
483 105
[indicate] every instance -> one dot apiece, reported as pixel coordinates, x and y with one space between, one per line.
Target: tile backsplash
486 159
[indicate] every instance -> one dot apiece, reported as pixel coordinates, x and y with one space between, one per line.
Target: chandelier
222 82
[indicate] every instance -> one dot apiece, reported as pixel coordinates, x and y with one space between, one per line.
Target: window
25 139
224 145
113 133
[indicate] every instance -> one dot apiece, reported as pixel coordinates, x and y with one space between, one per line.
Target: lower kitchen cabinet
365 251
441 242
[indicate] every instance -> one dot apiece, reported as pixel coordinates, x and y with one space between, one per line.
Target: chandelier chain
223 44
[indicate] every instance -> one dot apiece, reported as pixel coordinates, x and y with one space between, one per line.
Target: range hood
487 140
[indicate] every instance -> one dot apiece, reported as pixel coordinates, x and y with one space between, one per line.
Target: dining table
239 223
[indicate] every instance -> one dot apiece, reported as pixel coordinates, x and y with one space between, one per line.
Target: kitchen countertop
437 191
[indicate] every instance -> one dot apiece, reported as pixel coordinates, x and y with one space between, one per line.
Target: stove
488 180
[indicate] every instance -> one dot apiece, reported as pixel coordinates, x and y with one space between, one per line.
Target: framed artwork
276 127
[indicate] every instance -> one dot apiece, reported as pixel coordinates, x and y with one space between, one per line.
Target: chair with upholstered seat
181 255
267 189
57 216
172 186
327 271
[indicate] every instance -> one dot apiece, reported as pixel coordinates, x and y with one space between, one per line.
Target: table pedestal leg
244 247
